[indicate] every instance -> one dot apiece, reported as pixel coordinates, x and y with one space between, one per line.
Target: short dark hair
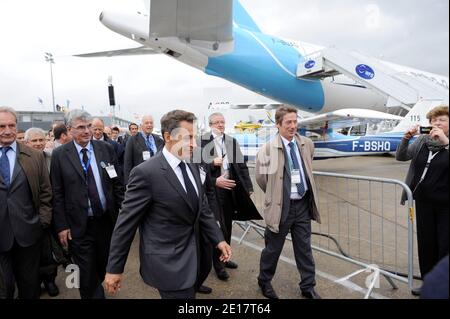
115 128
172 120
131 124
282 111
20 131
58 130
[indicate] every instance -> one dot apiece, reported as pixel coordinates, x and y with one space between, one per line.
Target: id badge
295 176
202 176
146 155
111 171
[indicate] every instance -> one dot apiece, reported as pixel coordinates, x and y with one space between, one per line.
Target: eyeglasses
83 127
218 122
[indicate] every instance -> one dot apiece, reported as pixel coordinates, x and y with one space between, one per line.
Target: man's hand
64 237
218 161
225 249
412 132
225 183
112 283
439 135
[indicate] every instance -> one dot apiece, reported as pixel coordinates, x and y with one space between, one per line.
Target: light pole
50 60
112 100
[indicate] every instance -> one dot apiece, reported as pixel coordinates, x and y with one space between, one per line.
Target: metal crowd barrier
363 223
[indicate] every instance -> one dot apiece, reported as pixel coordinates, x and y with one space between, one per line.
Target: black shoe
204 290
52 288
267 290
415 292
231 265
312 294
222 274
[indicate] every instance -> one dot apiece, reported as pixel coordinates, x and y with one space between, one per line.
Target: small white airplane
221 39
382 132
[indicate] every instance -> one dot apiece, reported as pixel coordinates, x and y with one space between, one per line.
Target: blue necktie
300 187
94 198
190 190
4 166
149 146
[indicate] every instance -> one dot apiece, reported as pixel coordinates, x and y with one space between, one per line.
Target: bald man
99 133
141 147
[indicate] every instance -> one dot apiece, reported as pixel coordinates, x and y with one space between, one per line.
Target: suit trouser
225 200
178 294
20 266
205 260
432 234
90 254
298 222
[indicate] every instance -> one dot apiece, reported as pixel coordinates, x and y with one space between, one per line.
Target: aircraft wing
262 106
345 118
193 20
124 52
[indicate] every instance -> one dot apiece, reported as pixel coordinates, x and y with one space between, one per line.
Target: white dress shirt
174 163
221 150
95 171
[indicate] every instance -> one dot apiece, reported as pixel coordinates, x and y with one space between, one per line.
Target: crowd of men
79 197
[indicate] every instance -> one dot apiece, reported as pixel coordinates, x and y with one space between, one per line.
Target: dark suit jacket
243 204
23 221
156 202
134 148
120 153
70 200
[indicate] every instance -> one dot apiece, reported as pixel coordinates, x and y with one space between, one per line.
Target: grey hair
10 110
76 115
33 130
213 115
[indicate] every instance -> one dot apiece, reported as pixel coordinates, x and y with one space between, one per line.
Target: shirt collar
100 139
173 161
79 147
215 136
13 146
145 135
286 142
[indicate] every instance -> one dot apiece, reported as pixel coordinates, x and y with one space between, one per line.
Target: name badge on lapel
110 169
146 155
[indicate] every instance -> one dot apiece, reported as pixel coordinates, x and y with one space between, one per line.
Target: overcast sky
409 32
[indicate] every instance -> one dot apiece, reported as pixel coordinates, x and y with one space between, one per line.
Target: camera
425 129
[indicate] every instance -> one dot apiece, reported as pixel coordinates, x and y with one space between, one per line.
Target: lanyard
86 167
431 156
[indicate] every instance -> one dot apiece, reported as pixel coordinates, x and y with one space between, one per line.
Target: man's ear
166 137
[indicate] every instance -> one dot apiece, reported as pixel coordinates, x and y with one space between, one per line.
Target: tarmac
242 283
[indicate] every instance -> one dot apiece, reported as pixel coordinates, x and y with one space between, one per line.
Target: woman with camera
428 179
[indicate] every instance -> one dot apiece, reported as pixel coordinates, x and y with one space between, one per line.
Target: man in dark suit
165 199
87 199
25 210
222 157
141 147
98 134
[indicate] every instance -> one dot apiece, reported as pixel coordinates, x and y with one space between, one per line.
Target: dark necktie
191 193
149 146
4 166
300 187
94 198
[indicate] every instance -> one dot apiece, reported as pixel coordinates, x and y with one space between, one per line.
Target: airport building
44 120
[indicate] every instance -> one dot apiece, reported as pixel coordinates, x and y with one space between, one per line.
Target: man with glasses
141 147
87 198
225 163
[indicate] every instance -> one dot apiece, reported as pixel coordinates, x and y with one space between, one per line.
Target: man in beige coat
284 173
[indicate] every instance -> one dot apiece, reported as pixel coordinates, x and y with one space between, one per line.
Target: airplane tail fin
242 18
417 115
